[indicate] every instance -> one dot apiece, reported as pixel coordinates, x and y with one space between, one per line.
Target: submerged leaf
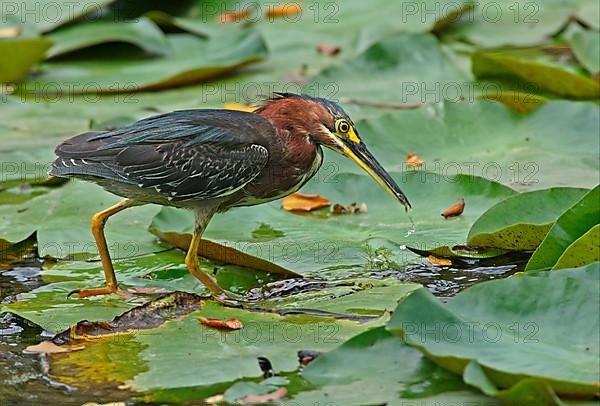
439 261
267 398
48 347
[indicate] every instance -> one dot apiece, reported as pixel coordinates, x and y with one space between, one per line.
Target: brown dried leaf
350 209
284 10
259 399
414 161
48 347
230 324
10 32
455 209
233 16
239 107
328 49
303 202
439 261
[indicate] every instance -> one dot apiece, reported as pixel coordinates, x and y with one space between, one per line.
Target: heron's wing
182 155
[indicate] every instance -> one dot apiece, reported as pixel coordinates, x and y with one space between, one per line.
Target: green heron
209 161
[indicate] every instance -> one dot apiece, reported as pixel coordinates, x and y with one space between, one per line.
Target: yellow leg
203 216
98 221
193 265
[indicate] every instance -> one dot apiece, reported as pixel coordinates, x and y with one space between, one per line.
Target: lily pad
585 45
545 76
142 33
521 222
575 223
338 241
511 343
386 370
496 23
62 220
585 250
46 15
199 348
19 55
399 63
555 145
193 60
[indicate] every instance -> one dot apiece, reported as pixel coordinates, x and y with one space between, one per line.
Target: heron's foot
83 293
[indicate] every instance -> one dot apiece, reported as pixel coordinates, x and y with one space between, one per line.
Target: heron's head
327 124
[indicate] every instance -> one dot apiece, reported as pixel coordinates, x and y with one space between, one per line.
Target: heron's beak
358 152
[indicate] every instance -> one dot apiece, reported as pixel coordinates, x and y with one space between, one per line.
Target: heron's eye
342 126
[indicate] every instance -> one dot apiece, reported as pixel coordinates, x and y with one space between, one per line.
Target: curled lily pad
19 55
193 60
522 221
577 222
142 33
546 76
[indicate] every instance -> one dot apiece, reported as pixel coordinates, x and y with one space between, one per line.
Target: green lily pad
585 250
398 61
386 370
530 390
46 15
164 271
193 60
548 77
572 224
547 147
19 55
585 45
521 222
496 23
512 343
142 33
339 240
62 220
199 348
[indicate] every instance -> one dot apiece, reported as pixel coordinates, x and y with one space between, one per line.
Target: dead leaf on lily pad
230 324
233 16
48 347
455 209
284 10
239 107
260 399
414 161
350 209
439 261
10 32
304 202
328 49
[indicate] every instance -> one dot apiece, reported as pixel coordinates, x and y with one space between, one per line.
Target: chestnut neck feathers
301 115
